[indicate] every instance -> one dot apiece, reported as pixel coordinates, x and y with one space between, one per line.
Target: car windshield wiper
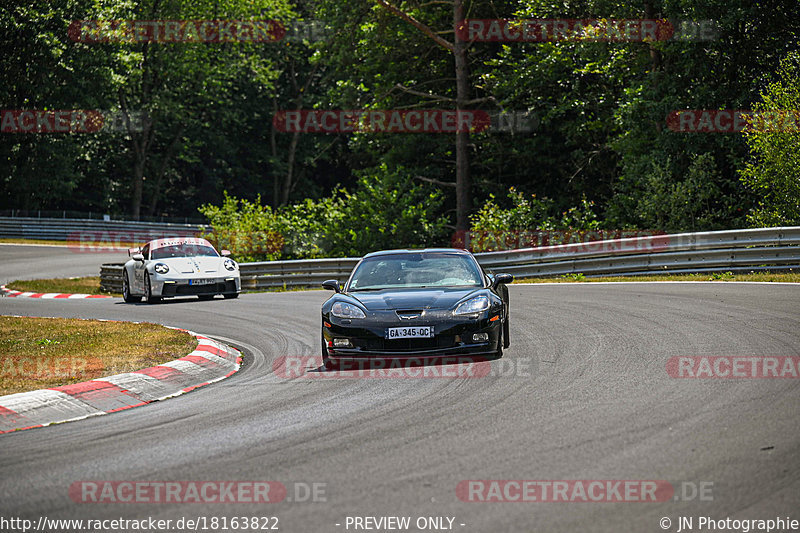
369 289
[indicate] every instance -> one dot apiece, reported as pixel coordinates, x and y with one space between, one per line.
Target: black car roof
416 251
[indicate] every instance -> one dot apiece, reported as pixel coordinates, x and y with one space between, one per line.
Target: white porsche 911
183 266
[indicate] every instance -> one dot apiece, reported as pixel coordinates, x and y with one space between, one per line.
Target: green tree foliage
680 205
383 211
251 231
529 221
600 139
774 143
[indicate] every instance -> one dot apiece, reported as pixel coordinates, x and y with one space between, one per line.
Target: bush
530 221
686 205
384 211
251 232
774 171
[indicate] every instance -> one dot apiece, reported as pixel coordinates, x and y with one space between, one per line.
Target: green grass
791 277
38 353
88 285
33 241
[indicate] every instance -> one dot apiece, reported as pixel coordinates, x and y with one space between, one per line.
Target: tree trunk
273 142
287 182
138 181
463 182
655 54
459 50
162 170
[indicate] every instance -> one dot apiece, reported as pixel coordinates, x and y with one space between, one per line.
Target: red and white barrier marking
11 293
211 361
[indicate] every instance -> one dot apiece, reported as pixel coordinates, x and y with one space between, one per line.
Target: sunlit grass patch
87 285
38 353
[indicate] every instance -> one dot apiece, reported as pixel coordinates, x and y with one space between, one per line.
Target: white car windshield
183 250
416 270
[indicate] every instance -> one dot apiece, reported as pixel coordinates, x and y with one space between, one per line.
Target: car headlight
230 264
346 310
161 268
472 306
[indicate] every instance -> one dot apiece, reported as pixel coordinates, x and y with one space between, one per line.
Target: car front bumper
452 336
167 287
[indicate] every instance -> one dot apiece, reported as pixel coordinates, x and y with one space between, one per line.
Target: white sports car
179 267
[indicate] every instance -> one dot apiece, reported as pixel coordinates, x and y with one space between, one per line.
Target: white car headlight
346 310
161 268
472 306
230 264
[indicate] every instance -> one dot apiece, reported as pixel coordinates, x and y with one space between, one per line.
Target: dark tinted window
416 270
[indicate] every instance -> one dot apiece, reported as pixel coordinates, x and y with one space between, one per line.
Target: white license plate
201 281
410 333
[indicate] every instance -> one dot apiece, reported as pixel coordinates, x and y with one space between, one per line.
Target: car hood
390 299
192 265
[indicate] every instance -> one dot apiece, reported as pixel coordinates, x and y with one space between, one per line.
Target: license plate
201 281
410 333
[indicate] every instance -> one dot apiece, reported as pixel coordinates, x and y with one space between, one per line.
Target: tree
458 48
774 143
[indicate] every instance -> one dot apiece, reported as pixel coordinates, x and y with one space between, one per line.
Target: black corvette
416 304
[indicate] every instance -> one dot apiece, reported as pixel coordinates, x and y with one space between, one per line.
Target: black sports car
416 304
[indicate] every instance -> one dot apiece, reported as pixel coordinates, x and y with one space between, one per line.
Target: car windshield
416 270
183 250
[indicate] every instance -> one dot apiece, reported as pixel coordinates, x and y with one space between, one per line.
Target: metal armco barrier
684 253
734 250
61 229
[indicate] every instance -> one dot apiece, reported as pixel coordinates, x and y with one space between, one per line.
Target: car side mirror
225 253
331 285
137 257
501 279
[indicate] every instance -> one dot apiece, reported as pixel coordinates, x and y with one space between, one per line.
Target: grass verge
790 277
88 285
32 241
38 353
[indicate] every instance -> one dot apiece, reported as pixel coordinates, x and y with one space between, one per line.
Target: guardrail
88 230
96 215
734 250
747 249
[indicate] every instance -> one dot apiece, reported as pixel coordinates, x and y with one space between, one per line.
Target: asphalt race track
582 394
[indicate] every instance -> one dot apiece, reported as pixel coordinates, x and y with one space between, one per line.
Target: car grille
407 345
188 290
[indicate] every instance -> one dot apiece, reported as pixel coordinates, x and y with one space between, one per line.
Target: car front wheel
148 291
499 352
126 290
326 361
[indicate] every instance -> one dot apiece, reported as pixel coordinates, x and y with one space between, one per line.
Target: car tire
230 295
499 353
205 297
126 289
506 323
148 291
326 361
